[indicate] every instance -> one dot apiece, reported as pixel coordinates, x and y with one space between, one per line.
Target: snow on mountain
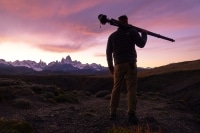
63 65
30 64
2 61
78 64
67 60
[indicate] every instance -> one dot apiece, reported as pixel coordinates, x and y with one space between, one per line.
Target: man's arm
140 41
109 52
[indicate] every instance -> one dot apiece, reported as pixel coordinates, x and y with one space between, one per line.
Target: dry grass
70 98
16 91
15 126
23 103
134 129
102 93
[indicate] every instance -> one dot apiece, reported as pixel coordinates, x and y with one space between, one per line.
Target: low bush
49 95
133 129
38 89
70 98
108 97
87 93
23 103
7 93
4 82
21 91
102 93
15 126
41 89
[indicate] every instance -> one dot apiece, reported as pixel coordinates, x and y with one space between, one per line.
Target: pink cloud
39 9
100 55
28 9
61 48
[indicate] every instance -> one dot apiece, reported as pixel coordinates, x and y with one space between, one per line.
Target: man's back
121 44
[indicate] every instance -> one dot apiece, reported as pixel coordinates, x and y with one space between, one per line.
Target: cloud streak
61 48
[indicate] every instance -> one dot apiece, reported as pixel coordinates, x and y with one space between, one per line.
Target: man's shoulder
133 30
113 34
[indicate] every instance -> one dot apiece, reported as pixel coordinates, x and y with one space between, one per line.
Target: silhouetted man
121 48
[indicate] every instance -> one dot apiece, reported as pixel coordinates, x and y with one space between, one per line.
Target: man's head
123 19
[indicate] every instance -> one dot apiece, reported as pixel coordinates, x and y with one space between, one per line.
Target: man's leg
131 83
118 83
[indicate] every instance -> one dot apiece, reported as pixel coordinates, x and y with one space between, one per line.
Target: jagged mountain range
65 65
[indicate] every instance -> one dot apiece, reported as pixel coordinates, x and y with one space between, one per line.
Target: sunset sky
49 30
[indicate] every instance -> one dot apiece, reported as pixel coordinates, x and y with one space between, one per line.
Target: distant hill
174 67
179 80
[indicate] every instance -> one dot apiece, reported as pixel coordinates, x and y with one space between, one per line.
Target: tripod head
103 19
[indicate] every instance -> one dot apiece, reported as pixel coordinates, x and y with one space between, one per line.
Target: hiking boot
133 119
113 116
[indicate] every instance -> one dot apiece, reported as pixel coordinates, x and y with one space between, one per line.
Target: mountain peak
68 59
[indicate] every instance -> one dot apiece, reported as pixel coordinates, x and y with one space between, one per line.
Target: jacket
121 46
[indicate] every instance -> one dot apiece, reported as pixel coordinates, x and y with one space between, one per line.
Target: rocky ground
91 114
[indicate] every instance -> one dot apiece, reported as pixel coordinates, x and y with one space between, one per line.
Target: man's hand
144 31
112 71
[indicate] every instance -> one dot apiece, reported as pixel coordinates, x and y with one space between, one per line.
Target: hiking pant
128 72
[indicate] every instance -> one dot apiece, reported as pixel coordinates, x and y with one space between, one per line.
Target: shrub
22 103
62 98
38 89
7 93
102 93
41 89
133 129
49 95
15 126
10 82
87 93
53 89
108 97
22 91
